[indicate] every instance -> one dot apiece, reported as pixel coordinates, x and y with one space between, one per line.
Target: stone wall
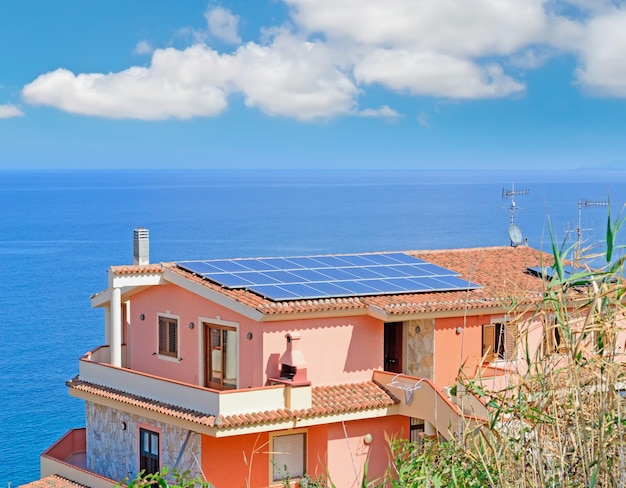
113 443
420 347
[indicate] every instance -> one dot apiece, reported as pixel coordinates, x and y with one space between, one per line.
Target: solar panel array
549 272
298 278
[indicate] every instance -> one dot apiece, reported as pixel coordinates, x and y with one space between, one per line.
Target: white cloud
433 74
384 111
290 78
178 84
603 56
8 111
293 78
336 49
143 47
223 24
458 27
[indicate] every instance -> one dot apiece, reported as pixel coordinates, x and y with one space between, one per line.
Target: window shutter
510 346
168 332
162 336
288 453
173 349
489 341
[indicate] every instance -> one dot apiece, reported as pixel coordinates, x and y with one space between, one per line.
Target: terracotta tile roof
500 270
137 269
52 481
326 400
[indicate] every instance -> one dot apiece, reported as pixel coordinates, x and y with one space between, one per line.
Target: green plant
167 478
437 463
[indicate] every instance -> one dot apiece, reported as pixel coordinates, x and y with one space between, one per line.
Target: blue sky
400 84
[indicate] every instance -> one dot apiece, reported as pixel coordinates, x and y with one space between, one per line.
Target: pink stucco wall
337 350
337 450
172 300
454 350
348 453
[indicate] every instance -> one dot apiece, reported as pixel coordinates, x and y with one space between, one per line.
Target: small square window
500 341
288 456
168 336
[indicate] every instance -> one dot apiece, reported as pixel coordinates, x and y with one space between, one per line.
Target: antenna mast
515 234
512 194
581 204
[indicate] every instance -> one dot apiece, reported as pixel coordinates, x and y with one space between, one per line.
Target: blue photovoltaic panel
306 263
358 288
307 275
232 280
337 274
275 292
311 277
261 265
372 272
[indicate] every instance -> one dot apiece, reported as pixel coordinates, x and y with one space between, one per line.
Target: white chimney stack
141 246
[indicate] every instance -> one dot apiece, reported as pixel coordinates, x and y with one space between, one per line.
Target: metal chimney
141 246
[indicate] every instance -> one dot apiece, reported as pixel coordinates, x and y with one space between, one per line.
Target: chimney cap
141 233
141 246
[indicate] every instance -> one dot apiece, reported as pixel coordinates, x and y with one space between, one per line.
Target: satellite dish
515 234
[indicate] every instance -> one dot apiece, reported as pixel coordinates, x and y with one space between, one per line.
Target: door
393 347
220 345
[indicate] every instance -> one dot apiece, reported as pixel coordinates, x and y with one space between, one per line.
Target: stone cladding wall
420 347
113 451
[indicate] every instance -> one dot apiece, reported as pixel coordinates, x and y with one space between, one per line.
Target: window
288 456
499 341
416 429
148 451
552 341
221 360
168 336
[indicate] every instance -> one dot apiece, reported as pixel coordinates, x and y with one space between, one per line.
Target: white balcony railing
193 397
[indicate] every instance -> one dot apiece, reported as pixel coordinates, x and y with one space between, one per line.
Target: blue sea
61 230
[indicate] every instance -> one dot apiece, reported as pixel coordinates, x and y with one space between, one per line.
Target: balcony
66 458
94 368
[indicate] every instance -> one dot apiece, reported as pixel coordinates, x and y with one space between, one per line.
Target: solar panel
313 277
551 272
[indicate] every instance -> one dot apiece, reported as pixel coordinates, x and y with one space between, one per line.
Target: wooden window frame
499 341
149 461
167 335
553 342
223 355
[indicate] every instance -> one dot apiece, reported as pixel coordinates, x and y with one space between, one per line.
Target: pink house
208 368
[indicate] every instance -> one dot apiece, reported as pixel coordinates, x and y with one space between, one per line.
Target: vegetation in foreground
561 422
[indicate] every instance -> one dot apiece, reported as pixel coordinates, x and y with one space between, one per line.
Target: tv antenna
515 233
581 204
